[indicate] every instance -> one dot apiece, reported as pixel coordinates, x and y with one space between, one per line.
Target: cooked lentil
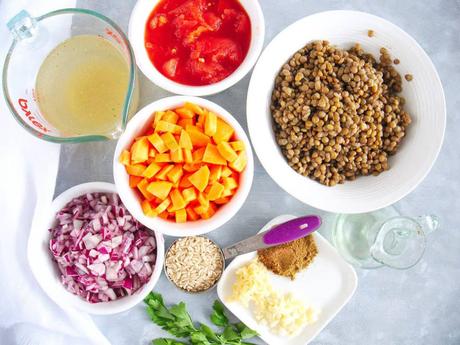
370 33
409 77
194 263
336 112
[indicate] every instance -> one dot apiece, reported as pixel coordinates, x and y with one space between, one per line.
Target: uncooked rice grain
194 263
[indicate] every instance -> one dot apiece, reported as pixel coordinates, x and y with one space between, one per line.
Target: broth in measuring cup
81 86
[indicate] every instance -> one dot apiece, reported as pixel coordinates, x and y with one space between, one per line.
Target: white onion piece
102 252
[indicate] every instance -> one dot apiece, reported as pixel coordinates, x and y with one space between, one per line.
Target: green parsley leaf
245 331
218 316
177 321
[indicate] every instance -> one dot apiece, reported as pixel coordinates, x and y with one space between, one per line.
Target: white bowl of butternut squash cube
183 166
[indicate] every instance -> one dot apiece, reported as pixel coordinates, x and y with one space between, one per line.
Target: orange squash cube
152 153
194 108
185 113
229 182
177 156
203 200
163 126
136 169
164 215
191 214
157 117
212 155
163 206
224 131
197 137
226 151
162 175
209 212
147 209
170 117
151 170
142 187
181 216
237 145
226 171
157 142
188 157
160 189
215 191
200 178
175 174
210 124
134 181
162 158
222 201
186 122
228 192
140 150
184 141
125 157
177 199
240 163
189 194
197 155
170 141
215 173
201 210
201 119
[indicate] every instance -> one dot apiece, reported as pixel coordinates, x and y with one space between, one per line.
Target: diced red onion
102 252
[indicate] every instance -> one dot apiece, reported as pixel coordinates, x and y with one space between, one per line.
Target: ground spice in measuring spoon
289 258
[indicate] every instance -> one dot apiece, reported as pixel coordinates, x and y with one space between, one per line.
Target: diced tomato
207 71
218 49
197 42
170 67
237 20
213 21
191 8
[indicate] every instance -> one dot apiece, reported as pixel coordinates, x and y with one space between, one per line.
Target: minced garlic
284 314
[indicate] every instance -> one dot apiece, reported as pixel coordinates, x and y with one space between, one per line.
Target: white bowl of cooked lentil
417 149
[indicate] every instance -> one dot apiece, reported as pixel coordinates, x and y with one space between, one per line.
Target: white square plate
328 283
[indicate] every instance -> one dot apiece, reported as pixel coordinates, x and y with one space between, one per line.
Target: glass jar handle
22 26
429 223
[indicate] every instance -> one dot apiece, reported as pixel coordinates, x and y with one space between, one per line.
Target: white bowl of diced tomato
184 166
196 47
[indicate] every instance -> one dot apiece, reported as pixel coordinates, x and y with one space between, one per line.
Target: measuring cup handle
292 230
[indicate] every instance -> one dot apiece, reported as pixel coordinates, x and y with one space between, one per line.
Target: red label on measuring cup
25 108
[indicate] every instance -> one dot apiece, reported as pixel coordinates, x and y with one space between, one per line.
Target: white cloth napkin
28 169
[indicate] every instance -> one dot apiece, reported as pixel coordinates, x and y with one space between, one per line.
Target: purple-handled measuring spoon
278 234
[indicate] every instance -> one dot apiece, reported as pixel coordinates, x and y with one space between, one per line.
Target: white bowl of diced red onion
87 251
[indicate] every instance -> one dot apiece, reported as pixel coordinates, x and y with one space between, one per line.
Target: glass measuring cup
382 238
33 40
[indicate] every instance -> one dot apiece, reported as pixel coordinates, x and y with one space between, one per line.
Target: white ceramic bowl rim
136 126
137 22
425 103
45 269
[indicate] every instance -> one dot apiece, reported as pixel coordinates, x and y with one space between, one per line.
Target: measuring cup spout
428 223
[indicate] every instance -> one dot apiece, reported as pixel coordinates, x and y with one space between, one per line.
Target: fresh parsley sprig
177 321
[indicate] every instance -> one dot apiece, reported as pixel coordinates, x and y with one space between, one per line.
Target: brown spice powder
289 258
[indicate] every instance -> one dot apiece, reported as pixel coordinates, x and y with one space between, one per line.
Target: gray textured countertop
417 306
